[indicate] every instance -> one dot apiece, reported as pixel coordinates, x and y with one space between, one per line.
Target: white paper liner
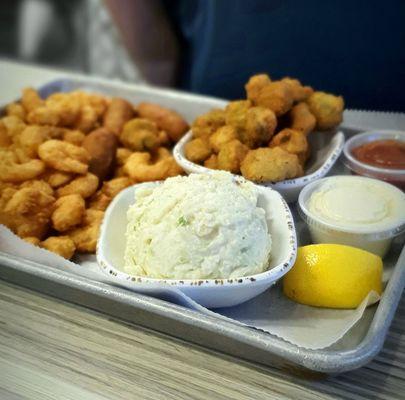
272 312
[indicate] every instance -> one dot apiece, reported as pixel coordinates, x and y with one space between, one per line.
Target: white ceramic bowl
325 150
211 293
372 240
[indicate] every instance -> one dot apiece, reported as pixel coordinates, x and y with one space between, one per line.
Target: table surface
50 349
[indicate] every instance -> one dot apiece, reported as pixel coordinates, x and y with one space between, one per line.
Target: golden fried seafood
292 141
211 162
39 185
231 156
163 138
197 150
140 134
87 119
140 167
85 236
30 139
114 186
14 172
118 113
62 245
5 139
14 125
121 156
260 125
27 211
99 201
301 119
85 186
206 124
277 96
221 137
166 119
75 137
255 84
327 109
31 100
16 110
32 240
56 178
101 144
64 156
69 211
235 114
299 92
270 165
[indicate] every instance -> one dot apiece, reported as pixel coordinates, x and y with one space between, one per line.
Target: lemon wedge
333 275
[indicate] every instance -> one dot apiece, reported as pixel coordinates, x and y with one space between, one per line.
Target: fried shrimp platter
264 137
64 158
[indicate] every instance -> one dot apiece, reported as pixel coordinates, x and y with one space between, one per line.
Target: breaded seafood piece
69 211
75 137
142 168
270 165
118 113
64 156
140 134
31 100
231 156
32 240
99 201
5 139
255 85
197 150
17 110
12 171
206 124
292 141
13 125
85 236
61 245
327 109
31 138
56 178
301 119
121 156
235 114
299 92
277 96
85 186
38 184
260 125
222 136
211 162
112 187
166 119
27 212
87 119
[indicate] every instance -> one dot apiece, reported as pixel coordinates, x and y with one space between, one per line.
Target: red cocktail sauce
382 153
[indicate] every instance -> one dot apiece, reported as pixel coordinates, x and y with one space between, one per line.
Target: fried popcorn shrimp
255 85
197 150
101 144
14 172
114 186
140 167
292 141
235 114
56 178
30 139
32 240
231 156
168 120
99 201
301 119
260 125
16 110
69 211
5 139
44 116
87 119
84 186
118 113
222 136
31 100
65 106
121 156
85 237
27 212
61 245
39 185
277 96
64 156
211 162
14 125
327 109
140 134
75 137
270 165
206 124
299 92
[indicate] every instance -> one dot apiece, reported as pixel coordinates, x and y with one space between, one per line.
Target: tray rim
332 361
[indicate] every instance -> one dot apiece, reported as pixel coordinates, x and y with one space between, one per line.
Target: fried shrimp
56 178
301 119
231 156
69 211
61 245
64 156
31 100
14 172
140 134
270 165
327 109
85 186
293 142
140 167
114 186
197 150
118 113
